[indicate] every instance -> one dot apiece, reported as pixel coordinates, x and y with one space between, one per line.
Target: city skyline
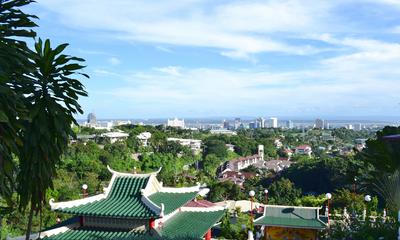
202 59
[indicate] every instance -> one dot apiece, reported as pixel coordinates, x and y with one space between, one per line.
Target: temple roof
189 224
291 217
171 200
130 196
124 200
97 233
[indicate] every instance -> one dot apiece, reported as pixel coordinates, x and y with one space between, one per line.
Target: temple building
288 222
136 206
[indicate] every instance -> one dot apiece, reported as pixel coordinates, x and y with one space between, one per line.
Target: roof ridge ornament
121 174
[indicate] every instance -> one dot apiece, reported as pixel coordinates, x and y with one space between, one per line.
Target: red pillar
152 223
208 235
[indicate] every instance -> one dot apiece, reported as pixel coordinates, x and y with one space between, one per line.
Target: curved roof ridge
180 190
204 209
120 174
74 203
300 207
153 207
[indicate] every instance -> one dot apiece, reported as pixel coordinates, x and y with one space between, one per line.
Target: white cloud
172 70
114 61
238 28
164 49
324 90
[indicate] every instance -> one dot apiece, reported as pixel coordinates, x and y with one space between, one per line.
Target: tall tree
15 67
52 101
383 153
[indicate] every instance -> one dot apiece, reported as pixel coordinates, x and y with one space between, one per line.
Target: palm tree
388 187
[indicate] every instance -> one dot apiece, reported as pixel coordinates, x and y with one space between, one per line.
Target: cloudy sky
193 58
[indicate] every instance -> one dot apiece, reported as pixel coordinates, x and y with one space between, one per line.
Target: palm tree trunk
29 229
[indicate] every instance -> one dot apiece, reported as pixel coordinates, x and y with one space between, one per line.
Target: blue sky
192 58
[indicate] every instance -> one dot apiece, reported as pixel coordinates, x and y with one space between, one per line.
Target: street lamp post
328 196
266 196
251 194
84 189
250 233
367 199
354 197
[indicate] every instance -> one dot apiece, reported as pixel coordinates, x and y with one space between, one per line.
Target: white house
144 137
115 136
193 144
303 150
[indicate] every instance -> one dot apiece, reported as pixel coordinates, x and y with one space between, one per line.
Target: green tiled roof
290 222
295 217
97 234
124 200
171 201
190 224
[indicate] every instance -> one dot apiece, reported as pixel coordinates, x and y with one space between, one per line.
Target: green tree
283 192
382 153
222 191
15 26
52 101
342 198
216 147
210 164
320 175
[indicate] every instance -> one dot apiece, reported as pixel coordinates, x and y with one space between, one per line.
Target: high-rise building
326 125
260 122
176 123
289 124
253 125
237 123
358 127
319 123
226 124
273 122
91 118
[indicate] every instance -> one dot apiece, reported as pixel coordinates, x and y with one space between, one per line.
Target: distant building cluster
92 122
178 123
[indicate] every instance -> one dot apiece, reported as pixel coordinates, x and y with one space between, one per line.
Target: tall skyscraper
273 122
326 125
319 123
289 124
237 123
225 124
91 118
260 122
253 125
358 127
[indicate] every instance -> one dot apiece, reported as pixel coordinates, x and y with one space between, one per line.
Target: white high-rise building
358 127
289 124
237 123
176 123
273 122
